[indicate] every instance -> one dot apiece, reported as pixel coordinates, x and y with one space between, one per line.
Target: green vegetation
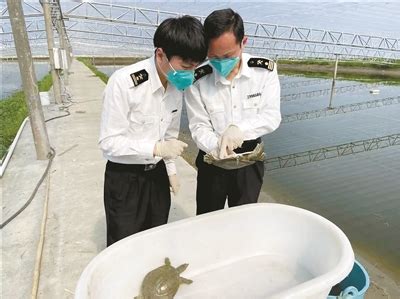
112 60
365 78
13 111
362 71
89 64
46 83
377 64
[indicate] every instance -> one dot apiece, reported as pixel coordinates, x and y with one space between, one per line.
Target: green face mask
225 65
181 79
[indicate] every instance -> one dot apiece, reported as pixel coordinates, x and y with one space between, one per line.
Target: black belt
131 167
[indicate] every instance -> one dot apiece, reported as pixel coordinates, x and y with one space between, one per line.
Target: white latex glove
174 183
169 149
215 152
231 139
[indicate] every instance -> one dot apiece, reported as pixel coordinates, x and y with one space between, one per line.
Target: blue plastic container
354 286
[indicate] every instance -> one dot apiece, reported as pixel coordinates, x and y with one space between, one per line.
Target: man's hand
215 152
169 149
174 183
231 139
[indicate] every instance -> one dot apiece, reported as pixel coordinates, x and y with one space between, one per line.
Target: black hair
183 37
221 21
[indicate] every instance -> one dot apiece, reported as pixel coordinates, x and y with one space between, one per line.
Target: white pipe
12 147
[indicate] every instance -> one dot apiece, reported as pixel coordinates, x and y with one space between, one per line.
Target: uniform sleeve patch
139 77
202 71
261 62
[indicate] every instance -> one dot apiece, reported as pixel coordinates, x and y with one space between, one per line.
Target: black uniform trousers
135 199
215 184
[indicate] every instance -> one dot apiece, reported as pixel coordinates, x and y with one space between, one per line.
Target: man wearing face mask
139 128
234 101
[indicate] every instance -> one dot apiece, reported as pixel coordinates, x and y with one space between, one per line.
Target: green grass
381 65
13 111
365 78
89 64
46 83
354 70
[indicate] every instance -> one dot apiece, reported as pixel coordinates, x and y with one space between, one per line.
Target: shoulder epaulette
261 62
202 71
140 77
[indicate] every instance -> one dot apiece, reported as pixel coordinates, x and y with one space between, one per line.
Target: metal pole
67 45
333 82
63 46
69 55
28 78
50 44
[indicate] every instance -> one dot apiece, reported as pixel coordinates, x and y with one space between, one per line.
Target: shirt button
162 119
233 86
234 106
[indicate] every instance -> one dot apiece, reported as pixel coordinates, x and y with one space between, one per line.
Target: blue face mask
225 65
181 79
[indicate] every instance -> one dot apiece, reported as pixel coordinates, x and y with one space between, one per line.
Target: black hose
50 156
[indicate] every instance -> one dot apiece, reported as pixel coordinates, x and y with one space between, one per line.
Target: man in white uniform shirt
140 125
234 101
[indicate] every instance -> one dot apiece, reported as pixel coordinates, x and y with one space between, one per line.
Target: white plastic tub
252 251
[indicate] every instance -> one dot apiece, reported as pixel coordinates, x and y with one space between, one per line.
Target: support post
333 82
63 46
28 78
50 45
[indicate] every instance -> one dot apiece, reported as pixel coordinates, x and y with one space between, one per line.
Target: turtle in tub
163 282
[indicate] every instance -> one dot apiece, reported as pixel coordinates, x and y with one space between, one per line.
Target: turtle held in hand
163 282
239 160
